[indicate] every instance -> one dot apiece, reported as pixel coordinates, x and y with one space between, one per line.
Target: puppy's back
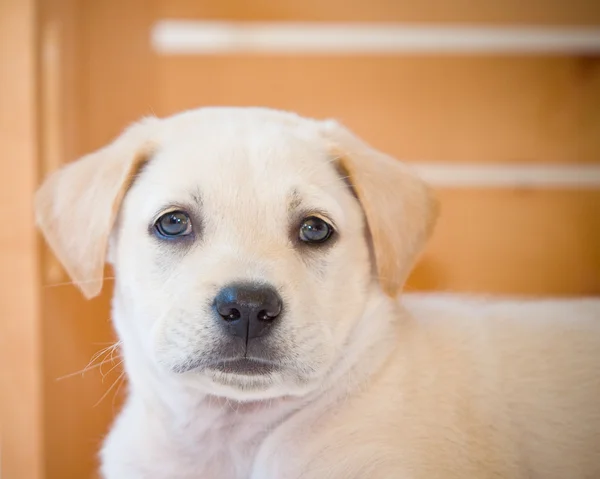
525 375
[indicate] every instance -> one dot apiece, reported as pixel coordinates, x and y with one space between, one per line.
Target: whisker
109 389
108 372
98 356
105 351
82 371
122 380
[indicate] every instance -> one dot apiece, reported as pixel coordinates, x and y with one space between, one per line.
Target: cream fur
370 386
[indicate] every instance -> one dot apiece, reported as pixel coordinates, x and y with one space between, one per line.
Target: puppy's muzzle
248 310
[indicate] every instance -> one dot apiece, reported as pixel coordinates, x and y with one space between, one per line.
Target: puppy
258 258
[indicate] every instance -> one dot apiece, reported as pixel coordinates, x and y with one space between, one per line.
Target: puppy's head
245 242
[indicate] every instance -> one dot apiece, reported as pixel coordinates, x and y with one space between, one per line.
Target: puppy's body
452 387
258 258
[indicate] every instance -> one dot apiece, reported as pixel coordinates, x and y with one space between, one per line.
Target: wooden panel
118 78
584 12
21 397
104 83
473 109
517 242
79 407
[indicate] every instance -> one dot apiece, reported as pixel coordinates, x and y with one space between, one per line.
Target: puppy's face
244 252
240 249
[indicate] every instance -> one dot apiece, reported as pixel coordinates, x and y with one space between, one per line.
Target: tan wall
20 335
98 72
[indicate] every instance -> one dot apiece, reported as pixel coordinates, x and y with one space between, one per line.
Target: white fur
370 387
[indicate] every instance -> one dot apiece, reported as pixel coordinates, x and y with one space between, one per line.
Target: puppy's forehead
223 152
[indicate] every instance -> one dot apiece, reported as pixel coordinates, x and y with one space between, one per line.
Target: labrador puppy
259 257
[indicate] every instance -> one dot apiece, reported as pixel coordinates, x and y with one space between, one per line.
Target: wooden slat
21 395
106 84
514 242
79 407
119 79
582 12
432 108
177 37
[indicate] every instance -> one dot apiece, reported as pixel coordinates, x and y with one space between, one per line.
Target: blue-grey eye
173 224
315 230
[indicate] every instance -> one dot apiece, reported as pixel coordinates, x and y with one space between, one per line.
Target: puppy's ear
77 205
399 207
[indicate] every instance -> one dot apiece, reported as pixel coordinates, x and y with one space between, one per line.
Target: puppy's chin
244 387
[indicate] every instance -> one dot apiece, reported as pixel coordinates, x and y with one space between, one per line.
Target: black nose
248 310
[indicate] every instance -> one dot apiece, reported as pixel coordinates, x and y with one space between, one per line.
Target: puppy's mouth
245 366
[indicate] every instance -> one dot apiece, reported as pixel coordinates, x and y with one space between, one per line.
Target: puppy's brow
197 197
294 200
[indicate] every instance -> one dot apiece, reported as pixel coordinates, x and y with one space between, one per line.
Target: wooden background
97 72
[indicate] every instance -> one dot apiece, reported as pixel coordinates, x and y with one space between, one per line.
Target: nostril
265 315
232 314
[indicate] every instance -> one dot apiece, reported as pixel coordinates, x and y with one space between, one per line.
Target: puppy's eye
315 230
173 224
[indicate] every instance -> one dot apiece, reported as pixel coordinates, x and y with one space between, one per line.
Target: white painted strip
453 175
213 37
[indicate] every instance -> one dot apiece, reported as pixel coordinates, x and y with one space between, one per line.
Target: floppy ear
399 207
77 205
